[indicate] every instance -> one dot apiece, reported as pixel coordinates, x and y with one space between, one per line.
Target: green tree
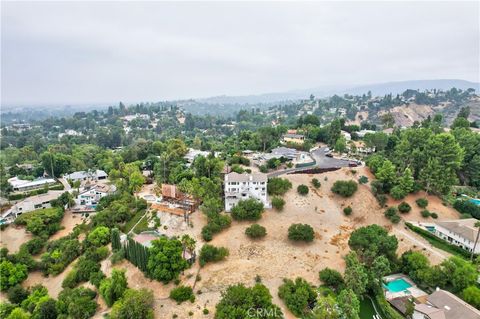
46 309
387 174
406 181
11 274
165 260
135 304
297 295
340 145
278 186
112 289
99 236
331 278
355 276
238 301
78 303
18 313
472 296
326 308
249 209
372 241
349 304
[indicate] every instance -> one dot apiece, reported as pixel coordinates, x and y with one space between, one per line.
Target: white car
326 150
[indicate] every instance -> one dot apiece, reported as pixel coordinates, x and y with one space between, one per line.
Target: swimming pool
475 201
397 285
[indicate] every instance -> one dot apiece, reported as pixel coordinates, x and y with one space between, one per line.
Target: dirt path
424 244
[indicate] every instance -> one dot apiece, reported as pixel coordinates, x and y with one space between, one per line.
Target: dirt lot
275 257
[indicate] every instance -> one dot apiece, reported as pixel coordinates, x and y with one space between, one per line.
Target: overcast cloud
98 52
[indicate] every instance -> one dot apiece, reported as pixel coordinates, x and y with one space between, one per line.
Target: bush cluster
256 231
345 188
301 232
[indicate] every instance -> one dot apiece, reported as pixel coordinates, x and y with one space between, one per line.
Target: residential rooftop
463 227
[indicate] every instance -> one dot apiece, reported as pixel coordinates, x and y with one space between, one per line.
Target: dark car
329 155
352 164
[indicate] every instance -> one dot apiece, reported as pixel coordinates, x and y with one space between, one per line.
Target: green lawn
128 226
366 309
439 243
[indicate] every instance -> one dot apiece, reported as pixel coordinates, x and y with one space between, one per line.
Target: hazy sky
97 52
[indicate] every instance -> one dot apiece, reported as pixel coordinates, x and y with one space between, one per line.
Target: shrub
250 209
434 215
425 213
34 246
391 214
316 183
347 210
216 223
404 208
395 219
41 222
331 278
381 199
391 211
205 311
278 203
210 253
17 294
345 188
363 179
422 202
256 231
182 293
302 189
301 232
278 186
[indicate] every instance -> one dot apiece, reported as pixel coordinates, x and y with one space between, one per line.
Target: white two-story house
90 196
459 232
244 186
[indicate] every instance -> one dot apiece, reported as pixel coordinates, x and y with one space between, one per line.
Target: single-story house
25 185
30 204
86 175
293 138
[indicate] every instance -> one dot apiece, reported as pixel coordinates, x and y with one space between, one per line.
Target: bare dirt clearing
275 257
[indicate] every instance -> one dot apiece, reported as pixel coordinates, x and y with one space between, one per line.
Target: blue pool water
475 201
398 285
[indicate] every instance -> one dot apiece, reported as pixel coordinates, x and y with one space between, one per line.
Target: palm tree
477 225
188 244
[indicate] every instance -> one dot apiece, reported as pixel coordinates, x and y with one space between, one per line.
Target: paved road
322 161
65 183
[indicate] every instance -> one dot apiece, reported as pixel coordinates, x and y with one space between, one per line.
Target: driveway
322 161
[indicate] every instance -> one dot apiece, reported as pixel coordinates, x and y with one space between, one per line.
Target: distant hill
376 89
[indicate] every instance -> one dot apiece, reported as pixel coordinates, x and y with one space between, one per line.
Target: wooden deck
165 208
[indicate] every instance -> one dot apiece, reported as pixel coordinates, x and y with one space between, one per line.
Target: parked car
326 150
329 155
352 164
